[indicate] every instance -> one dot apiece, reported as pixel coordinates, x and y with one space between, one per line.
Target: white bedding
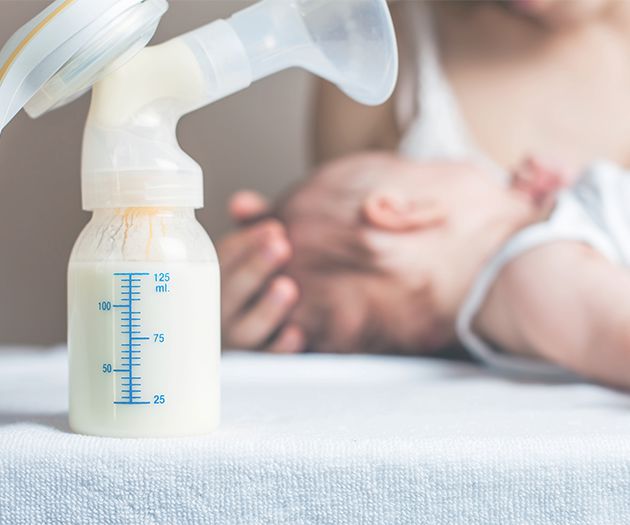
330 440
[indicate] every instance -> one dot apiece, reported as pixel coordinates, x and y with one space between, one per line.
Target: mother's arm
343 126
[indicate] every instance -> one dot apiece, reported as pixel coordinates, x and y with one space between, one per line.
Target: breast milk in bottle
143 325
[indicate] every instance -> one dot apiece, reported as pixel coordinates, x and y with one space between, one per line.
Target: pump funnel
351 43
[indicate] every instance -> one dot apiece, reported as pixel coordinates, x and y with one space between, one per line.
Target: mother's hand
256 300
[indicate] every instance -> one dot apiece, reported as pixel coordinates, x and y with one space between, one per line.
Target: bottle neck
131 156
133 213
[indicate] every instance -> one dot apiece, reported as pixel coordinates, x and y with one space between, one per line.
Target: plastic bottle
143 325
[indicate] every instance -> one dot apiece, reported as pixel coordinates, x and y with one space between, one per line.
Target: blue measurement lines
130 323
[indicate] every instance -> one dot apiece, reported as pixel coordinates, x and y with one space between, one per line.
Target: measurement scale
131 348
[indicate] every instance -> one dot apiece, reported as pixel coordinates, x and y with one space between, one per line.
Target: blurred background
255 139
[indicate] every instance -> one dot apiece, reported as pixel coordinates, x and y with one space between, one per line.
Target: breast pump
143 279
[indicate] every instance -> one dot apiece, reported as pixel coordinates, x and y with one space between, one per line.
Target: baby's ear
394 211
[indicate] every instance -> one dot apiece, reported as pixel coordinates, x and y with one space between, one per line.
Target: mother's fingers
245 280
291 340
246 206
237 246
264 318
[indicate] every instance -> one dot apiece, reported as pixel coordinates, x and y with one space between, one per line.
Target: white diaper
596 211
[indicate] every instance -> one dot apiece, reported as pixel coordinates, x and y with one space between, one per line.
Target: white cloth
314 439
595 211
426 105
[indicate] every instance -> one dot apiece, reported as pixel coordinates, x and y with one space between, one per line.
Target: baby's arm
566 303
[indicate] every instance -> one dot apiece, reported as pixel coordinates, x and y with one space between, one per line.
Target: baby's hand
540 179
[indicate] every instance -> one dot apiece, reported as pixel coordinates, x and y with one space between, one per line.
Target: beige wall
254 139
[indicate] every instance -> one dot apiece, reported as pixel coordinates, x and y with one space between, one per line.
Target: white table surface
326 439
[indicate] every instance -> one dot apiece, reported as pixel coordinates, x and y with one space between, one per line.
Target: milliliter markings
131 324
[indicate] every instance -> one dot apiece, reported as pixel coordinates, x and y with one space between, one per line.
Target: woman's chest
569 103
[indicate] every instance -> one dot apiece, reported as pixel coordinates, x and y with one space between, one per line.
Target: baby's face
381 245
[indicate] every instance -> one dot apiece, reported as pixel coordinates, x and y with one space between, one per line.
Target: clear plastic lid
59 54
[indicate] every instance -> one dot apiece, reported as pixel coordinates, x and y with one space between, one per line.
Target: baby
412 257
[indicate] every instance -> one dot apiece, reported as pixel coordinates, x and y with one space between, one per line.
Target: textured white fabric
593 211
426 105
326 440
436 130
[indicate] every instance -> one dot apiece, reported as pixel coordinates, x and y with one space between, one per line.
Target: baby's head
385 249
